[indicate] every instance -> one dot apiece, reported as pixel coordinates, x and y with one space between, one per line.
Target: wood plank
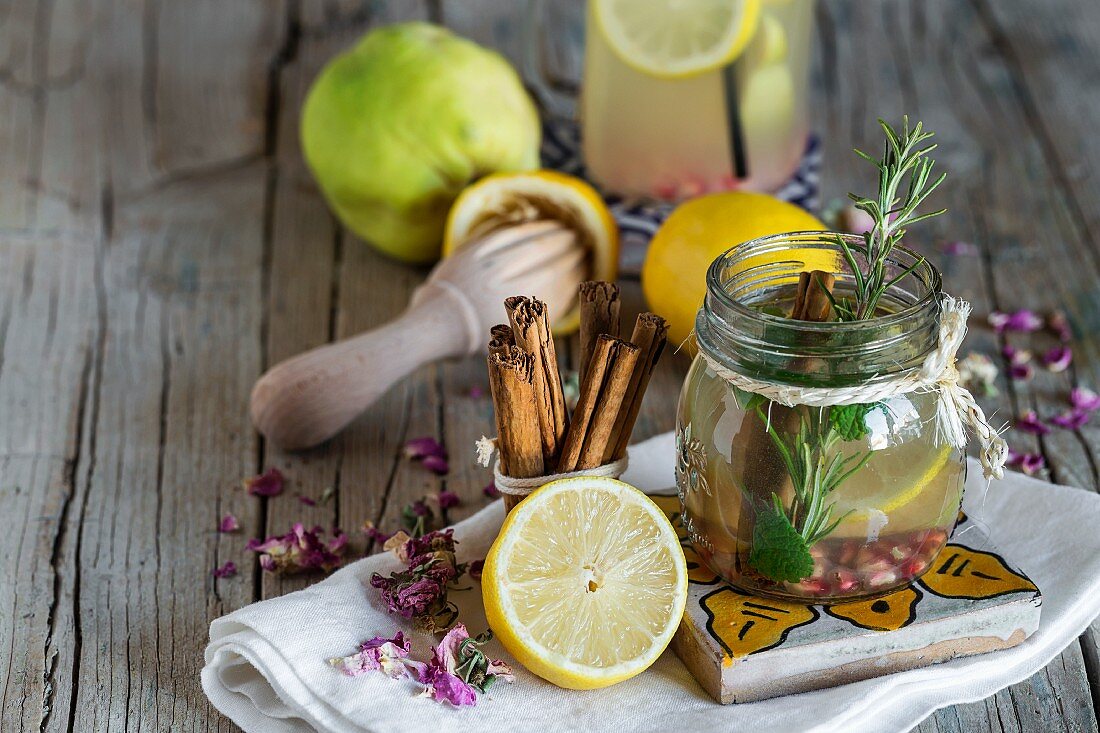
171 308
47 337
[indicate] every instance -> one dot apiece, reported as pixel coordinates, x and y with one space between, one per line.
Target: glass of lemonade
878 527
672 107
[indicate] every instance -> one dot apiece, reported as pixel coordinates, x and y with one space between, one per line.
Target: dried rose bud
300 550
447 499
491 490
458 669
229 523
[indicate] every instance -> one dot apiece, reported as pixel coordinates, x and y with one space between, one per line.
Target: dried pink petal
446 687
420 448
375 534
958 248
1071 419
1029 422
226 571
300 550
1083 398
436 465
1033 463
447 499
228 523
491 490
1021 320
1021 372
477 392
269 483
384 655
1058 359
307 501
475 569
1059 325
1029 463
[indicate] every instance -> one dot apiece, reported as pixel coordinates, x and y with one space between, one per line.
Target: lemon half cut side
586 582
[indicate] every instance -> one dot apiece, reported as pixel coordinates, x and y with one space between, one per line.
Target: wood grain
161 242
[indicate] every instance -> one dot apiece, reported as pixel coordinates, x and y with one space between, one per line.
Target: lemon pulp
586 582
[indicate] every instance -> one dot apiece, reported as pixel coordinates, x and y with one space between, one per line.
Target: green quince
397 126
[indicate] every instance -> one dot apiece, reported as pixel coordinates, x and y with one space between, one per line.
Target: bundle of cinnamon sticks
535 435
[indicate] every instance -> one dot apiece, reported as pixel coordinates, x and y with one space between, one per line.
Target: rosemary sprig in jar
892 212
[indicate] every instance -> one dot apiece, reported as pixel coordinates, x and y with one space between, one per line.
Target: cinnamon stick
765 471
531 330
812 303
586 404
500 338
599 308
650 336
512 384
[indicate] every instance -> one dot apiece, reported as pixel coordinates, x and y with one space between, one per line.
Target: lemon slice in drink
887 500
586 582
677 38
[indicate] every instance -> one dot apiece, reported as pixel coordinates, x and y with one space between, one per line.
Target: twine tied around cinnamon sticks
537 441
956 409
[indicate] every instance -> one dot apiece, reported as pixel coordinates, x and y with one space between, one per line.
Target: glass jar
822 503
744 125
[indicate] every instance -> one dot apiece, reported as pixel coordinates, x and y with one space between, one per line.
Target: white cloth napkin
266 663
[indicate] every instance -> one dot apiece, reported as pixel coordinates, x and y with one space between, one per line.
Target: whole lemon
674 275
395 128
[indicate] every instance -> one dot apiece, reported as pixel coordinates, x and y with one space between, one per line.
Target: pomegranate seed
882 578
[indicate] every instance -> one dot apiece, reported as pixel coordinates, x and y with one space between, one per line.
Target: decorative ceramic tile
743 648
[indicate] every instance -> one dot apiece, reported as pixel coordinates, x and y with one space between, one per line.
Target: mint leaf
778 550
850 421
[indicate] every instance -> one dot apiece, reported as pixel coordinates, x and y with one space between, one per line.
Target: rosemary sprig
892 212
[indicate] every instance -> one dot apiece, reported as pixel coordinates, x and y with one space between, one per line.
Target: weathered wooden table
161 242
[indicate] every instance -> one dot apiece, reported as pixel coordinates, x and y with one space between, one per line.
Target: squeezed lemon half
586 582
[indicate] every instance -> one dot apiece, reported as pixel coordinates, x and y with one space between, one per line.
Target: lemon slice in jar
676 38
586 582
886 500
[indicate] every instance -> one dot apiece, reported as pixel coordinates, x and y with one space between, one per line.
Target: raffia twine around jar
956 409
514 490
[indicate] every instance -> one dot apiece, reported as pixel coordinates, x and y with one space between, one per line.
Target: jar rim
732 328
716 288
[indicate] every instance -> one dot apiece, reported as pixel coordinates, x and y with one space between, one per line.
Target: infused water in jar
828 503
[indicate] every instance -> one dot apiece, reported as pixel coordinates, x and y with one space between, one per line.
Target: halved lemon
586 582
676 38
506 199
